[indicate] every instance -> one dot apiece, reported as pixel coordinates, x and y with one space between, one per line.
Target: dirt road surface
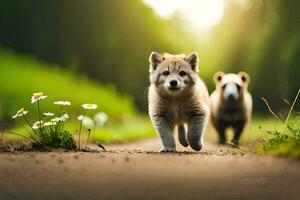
133 171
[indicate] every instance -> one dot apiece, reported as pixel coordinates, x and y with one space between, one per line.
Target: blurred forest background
67 47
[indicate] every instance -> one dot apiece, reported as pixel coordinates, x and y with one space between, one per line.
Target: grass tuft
286 140
47 134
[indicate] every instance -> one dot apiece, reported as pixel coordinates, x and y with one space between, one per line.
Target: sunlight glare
201 13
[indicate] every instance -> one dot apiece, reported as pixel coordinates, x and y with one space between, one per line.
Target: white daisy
49 114
56 119
37 125
80 117
37 97
63 103
63 118
49 124
89 106
88 122
100 118
20 113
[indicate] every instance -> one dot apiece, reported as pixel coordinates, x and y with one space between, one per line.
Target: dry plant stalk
291 108
287 102
269 108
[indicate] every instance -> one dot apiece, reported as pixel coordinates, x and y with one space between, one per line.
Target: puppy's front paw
196 145
167 149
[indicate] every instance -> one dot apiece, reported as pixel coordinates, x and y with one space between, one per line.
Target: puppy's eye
238 87
223 87
182 73
166 73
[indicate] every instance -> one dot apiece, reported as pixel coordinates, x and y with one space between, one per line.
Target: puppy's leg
195 129
221 131
165 131
238 129
182 135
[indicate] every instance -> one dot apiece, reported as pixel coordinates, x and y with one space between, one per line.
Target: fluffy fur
231 104
177 97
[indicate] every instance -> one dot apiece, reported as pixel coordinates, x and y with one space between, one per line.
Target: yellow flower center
37 95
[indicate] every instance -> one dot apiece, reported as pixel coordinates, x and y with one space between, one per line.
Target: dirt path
134 172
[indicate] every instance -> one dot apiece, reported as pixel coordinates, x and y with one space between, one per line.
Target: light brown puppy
177 97
231 104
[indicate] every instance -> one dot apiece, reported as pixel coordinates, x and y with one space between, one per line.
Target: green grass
130 129
285 139
252 131
258 128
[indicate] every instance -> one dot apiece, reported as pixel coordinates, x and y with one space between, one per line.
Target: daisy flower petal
37 125
100 118
65 116
80 117
20 113
37 97
63 103
49 114
88 122
49 124
89 106
56 119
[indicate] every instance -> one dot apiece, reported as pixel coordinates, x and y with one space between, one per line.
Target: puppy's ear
192 59
244 77
155 59
218 76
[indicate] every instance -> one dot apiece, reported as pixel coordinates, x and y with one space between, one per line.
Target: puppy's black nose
231 97
173 83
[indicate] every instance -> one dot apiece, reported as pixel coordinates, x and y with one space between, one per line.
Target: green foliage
277 139
66 140
49 137
131 129
284 142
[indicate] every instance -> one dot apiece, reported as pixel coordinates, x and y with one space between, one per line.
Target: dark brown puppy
231 104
